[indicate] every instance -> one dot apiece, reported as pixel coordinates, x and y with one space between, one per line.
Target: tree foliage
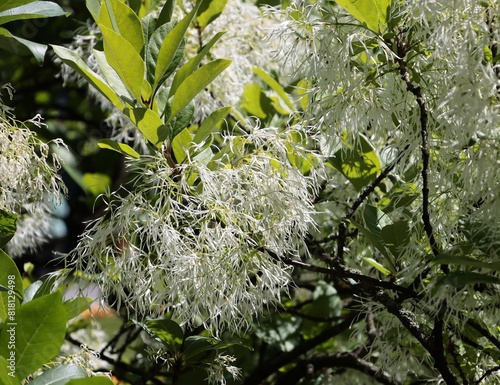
305 192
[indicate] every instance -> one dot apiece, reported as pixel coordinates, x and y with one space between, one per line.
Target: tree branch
332 360
270 367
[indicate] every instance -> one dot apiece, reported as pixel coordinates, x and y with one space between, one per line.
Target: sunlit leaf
121 148
195 83
372 13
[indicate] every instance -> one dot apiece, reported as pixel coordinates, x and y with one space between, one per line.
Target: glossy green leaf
166 13
40 329
377 266
127 63
38 9
59 375
98 380
256 102
74 61
30 291
96 183
460 260
371 13
275 86
152 51
181 144
188 68
181 120
121 148
7 373
396 236
462 278
8 269
9 4
372 238
20 46
194 345
76 306
170 45
112 78
209 11
94 7
167 331
128 24
149 124
7 226
209 125
359 163
195 83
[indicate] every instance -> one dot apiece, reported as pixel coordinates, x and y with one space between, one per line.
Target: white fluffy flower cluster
447 50
221 365
203 242
245 43
28 181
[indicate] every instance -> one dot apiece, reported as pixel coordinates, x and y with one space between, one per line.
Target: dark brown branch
424 133
335 360
120 366
432 343
485 333
343 273
488 373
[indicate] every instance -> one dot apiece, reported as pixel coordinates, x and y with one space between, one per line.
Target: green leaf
377 266
59 375
98 380
127 63
74 61
128 24
76 306
121 148
359 163
94 8
168 332
209 125
371 13
181 144
96 183
20 46
155 42
149 124
209 11
461 278
275 86
8 373
372 238
181 120
170 45
112 78
396 236
450 259
256 102
195 83
8 270
39 333
166 13
38 9
188 68
30 291
9 4
7 226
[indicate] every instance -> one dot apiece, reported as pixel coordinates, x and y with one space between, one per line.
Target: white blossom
210 251
28 180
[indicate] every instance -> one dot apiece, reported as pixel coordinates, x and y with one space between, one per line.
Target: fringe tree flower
209 251
28 180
